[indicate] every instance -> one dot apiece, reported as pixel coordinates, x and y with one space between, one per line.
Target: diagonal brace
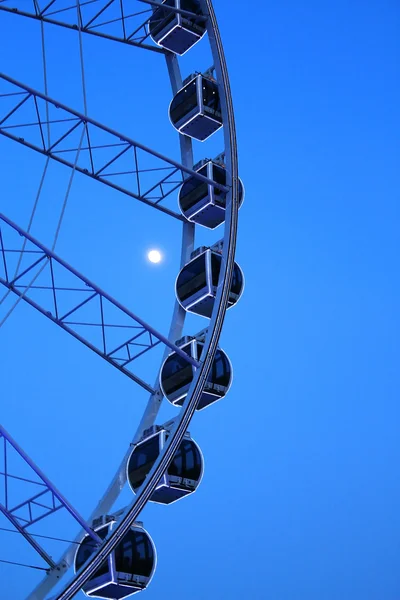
129 318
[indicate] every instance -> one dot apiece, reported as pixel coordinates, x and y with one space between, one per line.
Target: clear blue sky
301 490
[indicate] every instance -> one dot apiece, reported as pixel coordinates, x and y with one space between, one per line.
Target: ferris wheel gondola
183 475
167 464
201 202
197 283
127 570
177 31
196 109
176 374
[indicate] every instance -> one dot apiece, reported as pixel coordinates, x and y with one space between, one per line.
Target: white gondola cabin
196 108
201 202
197 283
175 31
177 374
127 570
183 474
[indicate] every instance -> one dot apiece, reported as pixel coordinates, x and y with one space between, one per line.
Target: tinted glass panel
141 461
219 176
184 102
199 350
87 548
192 23
134 555
220 370
191 5
237 280
161 18
187 461
216 260
176 373
176 467
192 278
240 192
211 95
193 190
189 457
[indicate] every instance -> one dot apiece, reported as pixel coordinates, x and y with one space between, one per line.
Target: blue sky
300 495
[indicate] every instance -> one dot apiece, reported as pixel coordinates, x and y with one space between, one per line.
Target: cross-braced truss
40 498
75 304
118 20
73 139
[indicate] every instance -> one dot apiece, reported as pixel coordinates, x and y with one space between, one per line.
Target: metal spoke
134 30
49 499
122 341
212 338
142 174
180 11
17 564
96 138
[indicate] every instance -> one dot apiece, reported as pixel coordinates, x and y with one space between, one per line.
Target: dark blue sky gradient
301 489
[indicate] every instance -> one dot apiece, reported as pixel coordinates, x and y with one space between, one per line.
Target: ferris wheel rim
210 346
215 326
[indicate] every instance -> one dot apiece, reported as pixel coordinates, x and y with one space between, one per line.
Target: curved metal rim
213 333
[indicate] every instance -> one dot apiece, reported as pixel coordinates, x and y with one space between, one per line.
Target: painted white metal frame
210 346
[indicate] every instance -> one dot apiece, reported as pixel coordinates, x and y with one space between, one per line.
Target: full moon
154 256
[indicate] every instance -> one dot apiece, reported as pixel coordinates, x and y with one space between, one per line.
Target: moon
154 256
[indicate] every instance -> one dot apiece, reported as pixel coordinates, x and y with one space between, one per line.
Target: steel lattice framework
47 126
96 17
43 124
64 304
39 504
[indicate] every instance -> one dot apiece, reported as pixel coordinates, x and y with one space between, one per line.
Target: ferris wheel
113 556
